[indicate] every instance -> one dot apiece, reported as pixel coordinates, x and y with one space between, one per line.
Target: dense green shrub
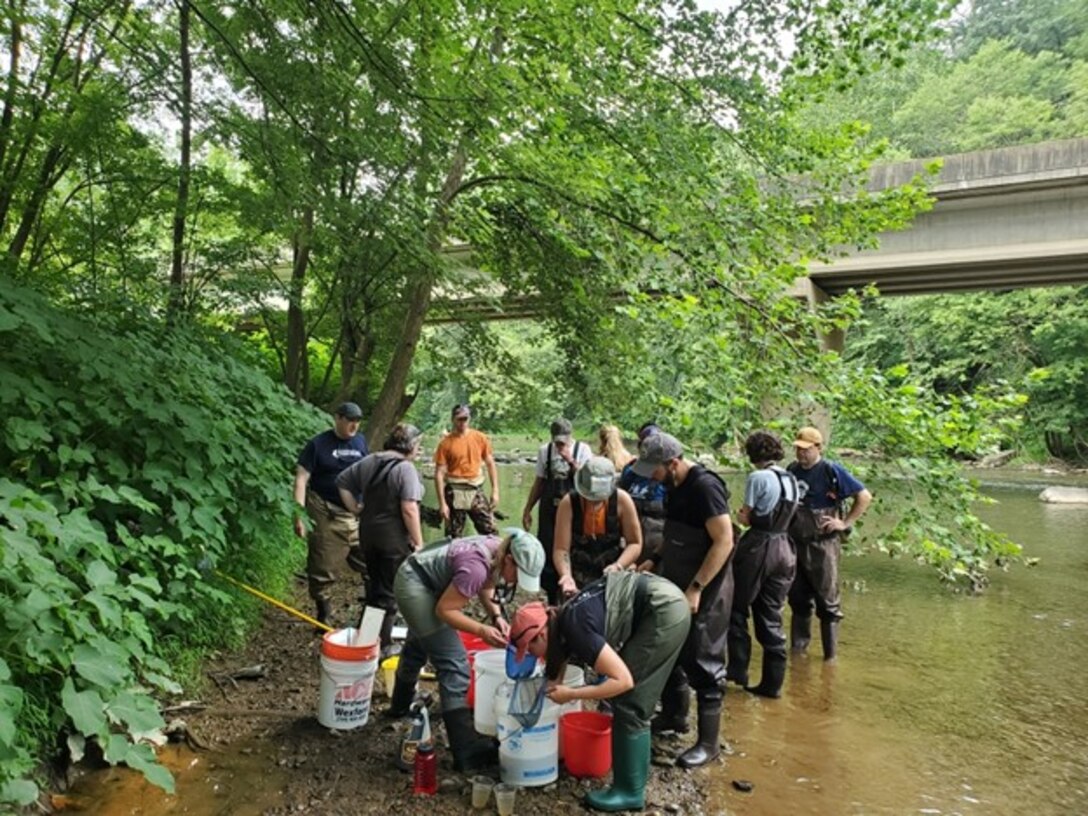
128 454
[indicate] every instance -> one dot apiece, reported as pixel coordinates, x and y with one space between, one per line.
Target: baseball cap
528 554
596 479
528 622
562 430
649 429
349 410
655 451
807 437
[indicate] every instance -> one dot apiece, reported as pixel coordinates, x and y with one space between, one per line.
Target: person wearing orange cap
630 627
817 532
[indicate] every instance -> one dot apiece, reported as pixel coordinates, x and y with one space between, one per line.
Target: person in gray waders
432 588
630 627
817 532
389 522
697 558
763 566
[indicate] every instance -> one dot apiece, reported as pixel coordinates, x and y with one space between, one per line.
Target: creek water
938 704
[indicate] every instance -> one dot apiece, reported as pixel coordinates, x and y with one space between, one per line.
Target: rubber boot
706 748
675 705
403 695
385 636
471 751
800 632
829 634
739 646
324 610
630 770
774 674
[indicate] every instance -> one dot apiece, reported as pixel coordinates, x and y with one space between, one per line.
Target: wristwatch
696 584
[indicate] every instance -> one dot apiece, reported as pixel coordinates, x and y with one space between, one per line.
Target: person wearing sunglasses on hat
432 589
333 529
630 627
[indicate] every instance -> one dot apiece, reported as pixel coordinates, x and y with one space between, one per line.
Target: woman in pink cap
630 628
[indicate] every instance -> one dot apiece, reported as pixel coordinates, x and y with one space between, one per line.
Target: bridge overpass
1007 218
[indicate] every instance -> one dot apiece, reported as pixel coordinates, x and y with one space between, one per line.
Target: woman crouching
432 587
630 628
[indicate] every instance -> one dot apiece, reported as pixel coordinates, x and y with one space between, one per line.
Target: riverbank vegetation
1009 73
199 200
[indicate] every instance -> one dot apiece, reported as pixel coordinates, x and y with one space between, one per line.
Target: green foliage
1035 341
129 453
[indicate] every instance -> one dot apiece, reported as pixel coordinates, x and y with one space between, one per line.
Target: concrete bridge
1002 219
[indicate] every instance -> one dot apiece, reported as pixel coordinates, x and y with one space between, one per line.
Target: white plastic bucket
347 680
527 756
490 673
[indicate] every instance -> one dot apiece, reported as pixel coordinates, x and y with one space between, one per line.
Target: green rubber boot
630 770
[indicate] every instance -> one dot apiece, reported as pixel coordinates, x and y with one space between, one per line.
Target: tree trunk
176 303
391 403
297 373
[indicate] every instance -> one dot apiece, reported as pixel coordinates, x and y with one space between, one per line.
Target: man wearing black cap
556 463
333 529
697 558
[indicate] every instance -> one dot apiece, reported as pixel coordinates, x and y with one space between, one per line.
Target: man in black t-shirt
696 557
334 530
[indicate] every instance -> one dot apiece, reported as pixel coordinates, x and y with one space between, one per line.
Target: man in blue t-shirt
826 488
334 530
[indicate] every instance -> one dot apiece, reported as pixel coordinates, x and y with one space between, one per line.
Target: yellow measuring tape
274 602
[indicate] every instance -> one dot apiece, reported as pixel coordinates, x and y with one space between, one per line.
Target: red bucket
472 644
587 743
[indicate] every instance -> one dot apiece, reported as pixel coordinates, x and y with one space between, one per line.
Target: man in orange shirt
459 478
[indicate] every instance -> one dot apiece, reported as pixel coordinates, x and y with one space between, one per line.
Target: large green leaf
86 708
101 669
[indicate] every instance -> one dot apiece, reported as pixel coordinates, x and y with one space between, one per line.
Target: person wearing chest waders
818 530
630 627
596 528
333 529
763 566
697 558
649 498
389 525
556 463
432 589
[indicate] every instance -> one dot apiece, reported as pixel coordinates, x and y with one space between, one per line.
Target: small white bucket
490 671
527 756
347 680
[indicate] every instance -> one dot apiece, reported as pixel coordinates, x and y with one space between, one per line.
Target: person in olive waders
629 626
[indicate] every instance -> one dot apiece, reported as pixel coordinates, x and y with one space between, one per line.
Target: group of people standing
647 582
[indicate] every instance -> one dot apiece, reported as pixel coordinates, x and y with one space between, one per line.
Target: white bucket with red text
347 680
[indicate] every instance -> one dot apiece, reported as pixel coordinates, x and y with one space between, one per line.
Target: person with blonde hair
612 448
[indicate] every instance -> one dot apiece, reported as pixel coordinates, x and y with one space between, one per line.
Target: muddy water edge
938 704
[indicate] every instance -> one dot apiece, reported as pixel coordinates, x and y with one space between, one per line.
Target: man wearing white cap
556 463
817 533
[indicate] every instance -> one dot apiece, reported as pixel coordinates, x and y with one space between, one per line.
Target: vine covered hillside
130 456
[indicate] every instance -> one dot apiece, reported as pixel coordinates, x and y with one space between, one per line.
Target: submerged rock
1064 495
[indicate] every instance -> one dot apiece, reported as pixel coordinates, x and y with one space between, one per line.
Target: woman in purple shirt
432 588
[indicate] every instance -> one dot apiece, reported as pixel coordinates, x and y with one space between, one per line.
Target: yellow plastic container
389 673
